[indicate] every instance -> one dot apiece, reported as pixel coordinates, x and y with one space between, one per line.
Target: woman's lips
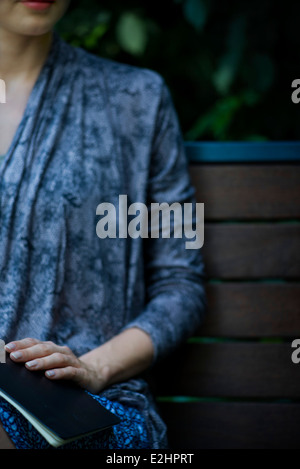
38 4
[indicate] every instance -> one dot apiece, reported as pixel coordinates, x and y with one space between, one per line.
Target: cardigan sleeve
176 303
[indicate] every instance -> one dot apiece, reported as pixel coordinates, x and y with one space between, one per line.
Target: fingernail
31 364
50 373
16 355
10 347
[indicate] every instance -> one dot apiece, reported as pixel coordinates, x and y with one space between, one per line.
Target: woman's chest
10 118
11 114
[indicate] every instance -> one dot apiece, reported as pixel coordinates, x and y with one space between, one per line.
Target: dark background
229 64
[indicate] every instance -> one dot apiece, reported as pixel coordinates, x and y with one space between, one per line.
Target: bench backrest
234 384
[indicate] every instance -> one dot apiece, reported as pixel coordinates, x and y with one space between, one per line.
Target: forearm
121 358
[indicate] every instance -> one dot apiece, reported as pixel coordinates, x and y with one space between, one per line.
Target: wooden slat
246 192
251 310
241 152
248 370
232 425
248 251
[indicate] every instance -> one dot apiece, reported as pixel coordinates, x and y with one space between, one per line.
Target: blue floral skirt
130 433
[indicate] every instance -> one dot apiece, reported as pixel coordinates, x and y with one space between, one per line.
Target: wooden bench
234 384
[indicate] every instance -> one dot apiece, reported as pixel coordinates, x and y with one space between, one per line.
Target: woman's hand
58 362
121 358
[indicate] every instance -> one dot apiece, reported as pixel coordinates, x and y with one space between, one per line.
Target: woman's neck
22 57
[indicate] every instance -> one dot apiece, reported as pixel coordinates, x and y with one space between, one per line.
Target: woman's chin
32 18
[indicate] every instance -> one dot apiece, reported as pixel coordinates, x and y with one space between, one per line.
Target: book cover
60 411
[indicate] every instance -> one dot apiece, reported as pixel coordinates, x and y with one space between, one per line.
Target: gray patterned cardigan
94 129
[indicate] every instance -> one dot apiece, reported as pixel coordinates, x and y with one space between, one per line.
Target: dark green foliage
229 64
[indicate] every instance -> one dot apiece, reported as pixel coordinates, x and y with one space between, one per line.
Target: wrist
121 358
97 372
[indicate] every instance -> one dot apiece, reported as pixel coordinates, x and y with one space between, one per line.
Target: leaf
229 63
196 13
132 34
95 35
218 119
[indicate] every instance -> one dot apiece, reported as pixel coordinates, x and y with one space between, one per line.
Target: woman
77 131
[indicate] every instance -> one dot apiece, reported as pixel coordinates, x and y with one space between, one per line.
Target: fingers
21 344
55 360
67 373
31 349
58 361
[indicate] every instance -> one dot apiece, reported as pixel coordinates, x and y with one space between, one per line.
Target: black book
60 411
